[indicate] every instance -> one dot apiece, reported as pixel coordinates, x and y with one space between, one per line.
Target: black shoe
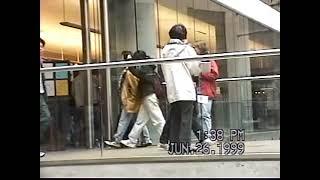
145 144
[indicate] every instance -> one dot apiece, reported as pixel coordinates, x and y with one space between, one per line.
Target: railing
220 56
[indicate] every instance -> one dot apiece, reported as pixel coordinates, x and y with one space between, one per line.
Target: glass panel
68 132
257 110
251 105
167 17
222 29
122 27
63 42
75 121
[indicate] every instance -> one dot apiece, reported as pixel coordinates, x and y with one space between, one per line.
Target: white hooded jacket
180 86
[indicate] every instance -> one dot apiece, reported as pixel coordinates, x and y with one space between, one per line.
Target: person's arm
213 74
121 79
136 72
148 73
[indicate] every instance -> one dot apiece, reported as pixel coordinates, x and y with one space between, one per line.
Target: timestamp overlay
231 145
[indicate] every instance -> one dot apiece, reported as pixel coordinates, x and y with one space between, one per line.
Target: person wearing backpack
149 109
129 90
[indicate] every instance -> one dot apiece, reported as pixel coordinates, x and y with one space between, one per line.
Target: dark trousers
79 127
78 135
97 121
45 117
178 126
165 133
196 127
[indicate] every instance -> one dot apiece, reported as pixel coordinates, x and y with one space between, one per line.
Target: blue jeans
123 125
204 116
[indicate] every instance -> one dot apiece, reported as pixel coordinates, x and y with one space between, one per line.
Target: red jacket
208 85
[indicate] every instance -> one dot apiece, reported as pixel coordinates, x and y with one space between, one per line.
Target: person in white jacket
180 88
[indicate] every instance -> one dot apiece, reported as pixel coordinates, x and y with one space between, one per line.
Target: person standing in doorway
45 115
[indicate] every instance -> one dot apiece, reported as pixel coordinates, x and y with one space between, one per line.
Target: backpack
159 88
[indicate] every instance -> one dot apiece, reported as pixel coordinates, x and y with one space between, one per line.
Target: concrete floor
251 148
261 159
168 170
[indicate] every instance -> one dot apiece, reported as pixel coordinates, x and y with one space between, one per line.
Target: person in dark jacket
149 109
130 105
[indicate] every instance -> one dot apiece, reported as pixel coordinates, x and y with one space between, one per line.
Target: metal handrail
248 78
220 56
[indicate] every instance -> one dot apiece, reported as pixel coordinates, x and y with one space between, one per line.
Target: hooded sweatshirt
178 76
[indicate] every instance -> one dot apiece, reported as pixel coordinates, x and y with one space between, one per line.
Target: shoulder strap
180 51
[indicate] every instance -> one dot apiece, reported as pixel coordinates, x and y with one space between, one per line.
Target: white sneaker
128 143
148 142
113 144
163 146
42 154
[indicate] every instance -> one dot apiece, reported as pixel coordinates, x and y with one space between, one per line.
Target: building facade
75 33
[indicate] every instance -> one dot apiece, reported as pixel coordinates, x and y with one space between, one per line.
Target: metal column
86 48
106 56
